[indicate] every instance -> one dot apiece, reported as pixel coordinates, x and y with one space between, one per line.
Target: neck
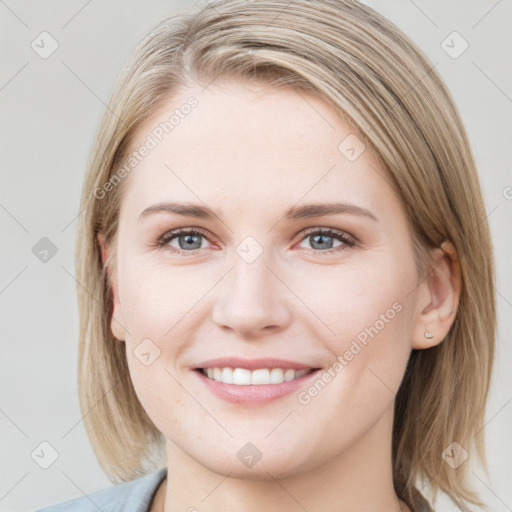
359 478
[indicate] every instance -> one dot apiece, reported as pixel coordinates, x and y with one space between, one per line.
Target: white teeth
241 376
227 375
260 376
245 377
289 375
276 376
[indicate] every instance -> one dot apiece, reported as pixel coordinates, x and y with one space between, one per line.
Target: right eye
188 240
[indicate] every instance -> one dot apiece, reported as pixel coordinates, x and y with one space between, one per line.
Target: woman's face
260 284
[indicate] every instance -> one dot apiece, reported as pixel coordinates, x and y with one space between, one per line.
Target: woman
287 274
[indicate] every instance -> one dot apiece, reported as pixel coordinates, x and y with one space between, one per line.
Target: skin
249 153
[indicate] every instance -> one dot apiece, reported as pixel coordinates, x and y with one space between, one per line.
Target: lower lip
254 394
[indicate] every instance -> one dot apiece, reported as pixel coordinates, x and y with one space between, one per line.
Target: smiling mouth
258 377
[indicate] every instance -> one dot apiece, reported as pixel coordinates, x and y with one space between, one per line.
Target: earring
428 335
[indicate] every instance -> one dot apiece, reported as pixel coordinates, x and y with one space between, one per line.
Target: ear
117 321
438 298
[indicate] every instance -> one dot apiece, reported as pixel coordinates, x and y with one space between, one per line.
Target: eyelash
347 240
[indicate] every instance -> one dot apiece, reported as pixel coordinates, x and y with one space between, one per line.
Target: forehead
252 145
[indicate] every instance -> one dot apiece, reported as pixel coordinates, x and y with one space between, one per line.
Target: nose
252 300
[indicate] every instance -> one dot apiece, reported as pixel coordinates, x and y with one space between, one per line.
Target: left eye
320 239
189 240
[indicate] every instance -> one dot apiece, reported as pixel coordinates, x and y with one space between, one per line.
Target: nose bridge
250 277
251 297
251 282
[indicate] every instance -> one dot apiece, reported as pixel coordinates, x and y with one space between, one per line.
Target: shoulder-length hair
386 89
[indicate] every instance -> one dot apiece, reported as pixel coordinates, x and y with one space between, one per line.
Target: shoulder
133 496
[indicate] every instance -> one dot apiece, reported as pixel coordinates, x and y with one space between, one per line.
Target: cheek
156 299
159 394
340 303
367 317
353 311
366 297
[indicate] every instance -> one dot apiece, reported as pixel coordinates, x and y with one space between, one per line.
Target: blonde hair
385 88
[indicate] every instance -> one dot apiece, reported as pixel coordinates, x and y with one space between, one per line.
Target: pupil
190 240
321 244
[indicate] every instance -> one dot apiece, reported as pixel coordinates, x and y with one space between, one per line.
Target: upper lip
253 364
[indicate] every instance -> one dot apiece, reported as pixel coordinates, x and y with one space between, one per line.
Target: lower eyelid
167 238
346 240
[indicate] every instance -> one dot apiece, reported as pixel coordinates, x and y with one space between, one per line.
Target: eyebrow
294 213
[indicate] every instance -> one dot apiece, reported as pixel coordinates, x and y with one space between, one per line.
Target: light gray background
50 109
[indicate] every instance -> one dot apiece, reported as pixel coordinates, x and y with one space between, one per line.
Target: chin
256 461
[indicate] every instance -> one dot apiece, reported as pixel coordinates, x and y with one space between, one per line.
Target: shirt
133 496
137 496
